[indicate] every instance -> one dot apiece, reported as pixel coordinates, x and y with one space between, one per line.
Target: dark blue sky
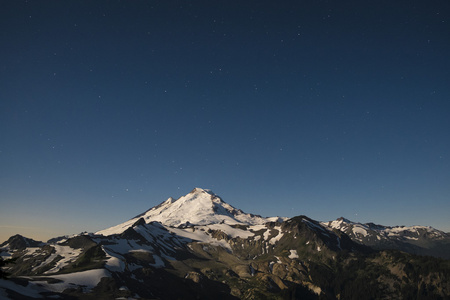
323 108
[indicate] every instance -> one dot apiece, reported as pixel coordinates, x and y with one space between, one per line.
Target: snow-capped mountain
209 249
18 242
371 232
424 240
199 207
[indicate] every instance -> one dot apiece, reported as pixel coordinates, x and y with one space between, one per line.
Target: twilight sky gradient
322 108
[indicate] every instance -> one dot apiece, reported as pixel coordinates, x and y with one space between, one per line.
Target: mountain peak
199 207
198 190
20 242
345 220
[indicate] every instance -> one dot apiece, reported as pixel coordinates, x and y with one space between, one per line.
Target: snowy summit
199 207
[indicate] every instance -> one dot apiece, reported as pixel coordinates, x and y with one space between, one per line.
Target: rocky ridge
420 240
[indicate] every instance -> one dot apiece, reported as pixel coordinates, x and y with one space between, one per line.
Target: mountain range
420 240
200 247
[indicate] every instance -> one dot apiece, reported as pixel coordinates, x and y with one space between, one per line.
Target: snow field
87 279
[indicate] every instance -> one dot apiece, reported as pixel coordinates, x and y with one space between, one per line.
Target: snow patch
86 279
359 230
31 290
68 255
159 263
278 260
231 231
277 237
293 254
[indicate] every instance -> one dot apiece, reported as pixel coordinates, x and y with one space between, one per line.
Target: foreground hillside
200 247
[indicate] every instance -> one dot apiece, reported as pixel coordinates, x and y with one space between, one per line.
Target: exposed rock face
79 242
194 276
18 242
